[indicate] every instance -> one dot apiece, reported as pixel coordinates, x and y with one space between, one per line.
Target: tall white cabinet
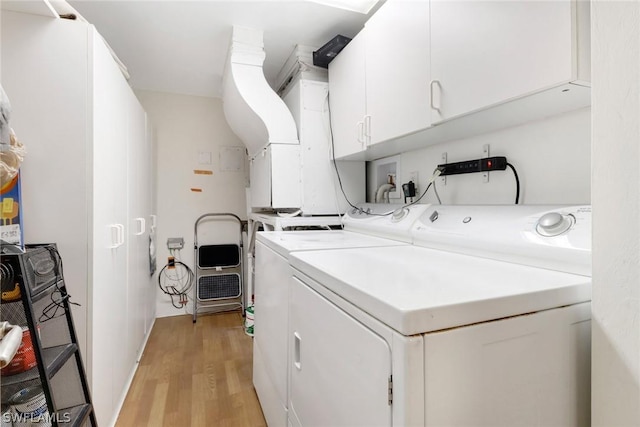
86 186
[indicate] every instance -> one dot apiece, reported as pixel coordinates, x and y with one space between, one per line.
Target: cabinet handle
367 129
141 226
296 351
115 236
431 98
121 229
361 132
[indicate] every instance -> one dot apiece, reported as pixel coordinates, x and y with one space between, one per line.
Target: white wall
616 213
185 126
552 157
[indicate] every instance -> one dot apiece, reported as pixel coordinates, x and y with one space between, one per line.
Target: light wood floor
194 375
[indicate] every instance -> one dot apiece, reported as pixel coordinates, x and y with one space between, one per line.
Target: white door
347 97
488 52
109 284
44 73
339 370
138 239
397 70
150 295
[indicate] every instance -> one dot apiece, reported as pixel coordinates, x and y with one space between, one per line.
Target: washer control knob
399 214
554 224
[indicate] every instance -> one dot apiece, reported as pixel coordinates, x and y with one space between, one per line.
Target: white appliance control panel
391 221
366 211
553 237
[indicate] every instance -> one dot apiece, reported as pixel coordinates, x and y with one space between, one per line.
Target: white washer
373 225
490 328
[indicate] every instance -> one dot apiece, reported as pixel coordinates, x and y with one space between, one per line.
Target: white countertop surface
415 290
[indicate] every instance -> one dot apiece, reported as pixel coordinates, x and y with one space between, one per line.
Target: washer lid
284 242
415 290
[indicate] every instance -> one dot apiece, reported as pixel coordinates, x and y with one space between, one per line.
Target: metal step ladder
219 270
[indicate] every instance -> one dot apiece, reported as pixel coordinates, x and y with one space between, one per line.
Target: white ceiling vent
254 111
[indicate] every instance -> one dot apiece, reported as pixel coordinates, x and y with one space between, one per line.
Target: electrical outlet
443 160
473 166
485 154
175 243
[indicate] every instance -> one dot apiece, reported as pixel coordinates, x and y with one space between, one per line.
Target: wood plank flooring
194 375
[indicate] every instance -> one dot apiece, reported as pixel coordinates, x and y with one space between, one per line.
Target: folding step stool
219 271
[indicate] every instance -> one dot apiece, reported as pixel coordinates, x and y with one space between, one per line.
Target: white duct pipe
255 113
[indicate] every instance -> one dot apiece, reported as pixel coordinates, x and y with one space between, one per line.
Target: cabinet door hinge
390 390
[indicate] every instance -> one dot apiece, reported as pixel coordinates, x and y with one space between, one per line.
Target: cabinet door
397 70
487 52
347 98
109 275
138 212
339 370
153 232
44 73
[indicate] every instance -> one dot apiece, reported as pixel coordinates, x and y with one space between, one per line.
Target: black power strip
473 166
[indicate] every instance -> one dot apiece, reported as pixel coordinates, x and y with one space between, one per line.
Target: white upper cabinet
487 52
397 70
425 72
379 83
347 98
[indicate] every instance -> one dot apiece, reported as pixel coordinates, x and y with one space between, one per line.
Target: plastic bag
11 158
5 115
11 150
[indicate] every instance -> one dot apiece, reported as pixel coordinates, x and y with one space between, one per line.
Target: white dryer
484 321
371 225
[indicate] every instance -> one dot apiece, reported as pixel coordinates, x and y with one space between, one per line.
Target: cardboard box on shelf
11 230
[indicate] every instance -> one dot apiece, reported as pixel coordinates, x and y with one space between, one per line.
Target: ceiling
181 46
